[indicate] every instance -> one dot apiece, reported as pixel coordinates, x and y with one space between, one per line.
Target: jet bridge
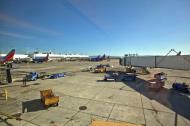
181 62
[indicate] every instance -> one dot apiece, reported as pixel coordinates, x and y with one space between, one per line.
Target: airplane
98 58
41 59
8 57
22 60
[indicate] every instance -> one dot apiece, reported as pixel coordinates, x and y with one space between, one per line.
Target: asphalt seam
98 116
118 104
110 112
26 121
143 109
71 118
102 86
37 117
81 110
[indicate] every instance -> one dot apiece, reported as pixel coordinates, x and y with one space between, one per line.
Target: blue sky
114 27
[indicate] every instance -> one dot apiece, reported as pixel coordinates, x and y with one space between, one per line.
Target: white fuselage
16 56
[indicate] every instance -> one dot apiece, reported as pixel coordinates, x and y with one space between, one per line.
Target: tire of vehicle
45 106
173 86
186 91
57 104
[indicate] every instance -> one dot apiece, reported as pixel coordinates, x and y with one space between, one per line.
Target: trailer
58 75
183 87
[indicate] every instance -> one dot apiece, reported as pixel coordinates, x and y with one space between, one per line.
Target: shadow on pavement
174 100
32 106
105 81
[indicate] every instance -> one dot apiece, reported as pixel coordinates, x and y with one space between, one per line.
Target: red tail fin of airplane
9 56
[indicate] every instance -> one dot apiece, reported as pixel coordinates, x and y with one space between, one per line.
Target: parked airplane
8 57
23 60
98 58
41 59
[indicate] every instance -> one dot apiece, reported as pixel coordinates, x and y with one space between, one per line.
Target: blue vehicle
54 76
129 77
32 76
112 76
120 77
181 87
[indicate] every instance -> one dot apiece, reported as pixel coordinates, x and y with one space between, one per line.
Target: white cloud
11 34
24 24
